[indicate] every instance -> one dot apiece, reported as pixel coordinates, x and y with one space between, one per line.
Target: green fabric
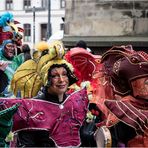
6 123
16 62
10 70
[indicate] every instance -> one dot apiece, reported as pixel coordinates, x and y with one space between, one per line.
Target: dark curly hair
72 78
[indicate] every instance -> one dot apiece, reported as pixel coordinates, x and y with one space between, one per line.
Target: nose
61 77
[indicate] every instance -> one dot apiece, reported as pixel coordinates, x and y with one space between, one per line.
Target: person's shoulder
40 96
19 57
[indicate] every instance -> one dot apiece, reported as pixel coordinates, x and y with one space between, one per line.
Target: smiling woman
59 82
63 114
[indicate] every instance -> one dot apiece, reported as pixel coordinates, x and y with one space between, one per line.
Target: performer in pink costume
52 118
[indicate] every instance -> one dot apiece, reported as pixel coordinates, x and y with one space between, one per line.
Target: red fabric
126 111
101 89
138 141
5 35
83 62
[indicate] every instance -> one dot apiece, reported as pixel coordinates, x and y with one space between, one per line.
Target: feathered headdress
9 31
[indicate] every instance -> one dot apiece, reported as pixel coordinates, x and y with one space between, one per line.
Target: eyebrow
55 72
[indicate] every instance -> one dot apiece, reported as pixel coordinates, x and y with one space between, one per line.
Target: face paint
59 80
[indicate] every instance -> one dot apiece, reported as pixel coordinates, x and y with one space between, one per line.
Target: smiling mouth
61 86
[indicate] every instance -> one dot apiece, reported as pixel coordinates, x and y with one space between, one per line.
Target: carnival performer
10 39
128 111
27 79
52 118
117 82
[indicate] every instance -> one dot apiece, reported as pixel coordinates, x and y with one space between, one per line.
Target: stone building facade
104 23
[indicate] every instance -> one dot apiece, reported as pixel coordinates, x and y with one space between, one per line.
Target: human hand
4 64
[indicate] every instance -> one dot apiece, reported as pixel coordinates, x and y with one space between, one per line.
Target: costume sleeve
19 59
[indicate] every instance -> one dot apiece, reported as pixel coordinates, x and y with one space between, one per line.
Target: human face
59 81
9 50
140 87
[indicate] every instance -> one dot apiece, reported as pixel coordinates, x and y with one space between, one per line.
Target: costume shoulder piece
84 63
66 117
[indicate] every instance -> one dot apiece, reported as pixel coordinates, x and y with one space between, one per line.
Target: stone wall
106 18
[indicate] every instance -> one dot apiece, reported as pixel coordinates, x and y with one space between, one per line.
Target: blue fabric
5 42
